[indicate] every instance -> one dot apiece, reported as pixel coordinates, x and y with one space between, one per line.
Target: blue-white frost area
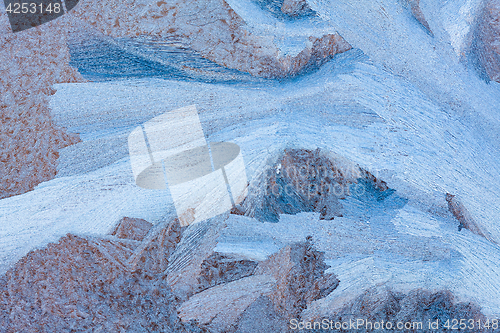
427 131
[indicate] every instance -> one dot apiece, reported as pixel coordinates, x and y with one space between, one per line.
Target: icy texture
33 60
187 266
380 303
385 31
221 35
295 7
304 181
281 287
220 268
350 107
417 12
131 228
221 306
81 284
299 270
101 58
484 45
402 106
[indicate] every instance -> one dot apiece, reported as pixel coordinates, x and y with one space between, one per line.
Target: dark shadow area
307 181
101 58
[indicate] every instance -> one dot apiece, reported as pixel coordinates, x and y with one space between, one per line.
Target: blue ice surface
100 58
274 7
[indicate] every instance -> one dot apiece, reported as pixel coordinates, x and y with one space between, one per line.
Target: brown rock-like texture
84 284
300 276
301 181
417 12
322 50
463 216
294 7
305 181
186 264
31 62
261 316
281 287
485 40
219 34
132 228
220 307
153 253
417 307
222 268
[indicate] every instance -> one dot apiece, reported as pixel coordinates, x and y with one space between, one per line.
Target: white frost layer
350 107
457 18
405 248
389 35
290 37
